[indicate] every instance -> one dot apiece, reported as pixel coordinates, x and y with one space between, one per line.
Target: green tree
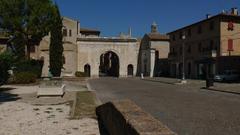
28 21
56 45
19 46
6 60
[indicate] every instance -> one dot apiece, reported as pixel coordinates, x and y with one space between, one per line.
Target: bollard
142 77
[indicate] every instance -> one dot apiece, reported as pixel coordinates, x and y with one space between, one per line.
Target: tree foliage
6 59
56 45
27 21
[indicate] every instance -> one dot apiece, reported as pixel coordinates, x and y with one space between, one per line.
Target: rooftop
221 15
88 30
158 37
107 39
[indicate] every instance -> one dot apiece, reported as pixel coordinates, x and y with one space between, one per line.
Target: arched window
87 70
130 70
64 32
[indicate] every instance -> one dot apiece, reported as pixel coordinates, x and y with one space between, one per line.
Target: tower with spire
154 27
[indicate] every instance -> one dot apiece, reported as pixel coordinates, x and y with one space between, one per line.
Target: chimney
234 11
130 32
208 16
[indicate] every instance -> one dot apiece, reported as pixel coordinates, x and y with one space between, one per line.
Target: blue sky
115 16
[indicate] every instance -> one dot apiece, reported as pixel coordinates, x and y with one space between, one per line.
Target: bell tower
154 27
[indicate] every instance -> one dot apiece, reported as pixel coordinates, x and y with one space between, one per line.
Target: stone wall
126 118
89 52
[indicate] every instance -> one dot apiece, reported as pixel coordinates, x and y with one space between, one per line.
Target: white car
227 75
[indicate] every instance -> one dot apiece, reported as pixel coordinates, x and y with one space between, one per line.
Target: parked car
227 76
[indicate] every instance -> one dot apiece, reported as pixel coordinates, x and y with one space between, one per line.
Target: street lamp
183 60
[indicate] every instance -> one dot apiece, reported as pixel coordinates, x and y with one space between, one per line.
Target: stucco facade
153 51
206 44
71 28
85 46
90 50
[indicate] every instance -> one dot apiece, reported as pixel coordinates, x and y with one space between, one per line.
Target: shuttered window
230 45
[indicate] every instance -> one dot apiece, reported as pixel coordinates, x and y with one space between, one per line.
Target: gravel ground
19 115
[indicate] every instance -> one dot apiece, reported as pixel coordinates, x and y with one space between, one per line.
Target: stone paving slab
233 88
186 109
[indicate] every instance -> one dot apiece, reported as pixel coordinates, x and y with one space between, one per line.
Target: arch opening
109 64
130 70
87 70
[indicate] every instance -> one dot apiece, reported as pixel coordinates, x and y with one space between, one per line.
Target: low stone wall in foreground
126 118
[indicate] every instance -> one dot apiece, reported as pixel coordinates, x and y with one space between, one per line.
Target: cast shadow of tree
7 96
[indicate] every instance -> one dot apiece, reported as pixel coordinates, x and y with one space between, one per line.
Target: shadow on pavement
102 129
6 96
217 90
150 80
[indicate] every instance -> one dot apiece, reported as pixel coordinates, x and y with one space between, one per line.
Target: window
180 35
70 33
189 32
230 45
211 45
173 37
230 26
64 32
200 47
32 49
181 50
189 49
211 25
189 68
199 29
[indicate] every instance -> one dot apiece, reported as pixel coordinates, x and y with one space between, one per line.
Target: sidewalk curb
223 91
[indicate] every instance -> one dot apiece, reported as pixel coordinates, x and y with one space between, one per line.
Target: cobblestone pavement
186 109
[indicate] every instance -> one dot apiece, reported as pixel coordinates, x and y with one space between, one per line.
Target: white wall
90 52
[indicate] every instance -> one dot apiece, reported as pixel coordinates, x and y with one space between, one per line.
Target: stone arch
130 70
109 64
87 70
110 50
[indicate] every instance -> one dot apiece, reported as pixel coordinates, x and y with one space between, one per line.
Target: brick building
209 46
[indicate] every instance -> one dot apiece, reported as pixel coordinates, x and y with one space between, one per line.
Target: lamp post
183 60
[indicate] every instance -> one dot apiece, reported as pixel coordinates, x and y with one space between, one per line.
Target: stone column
152 62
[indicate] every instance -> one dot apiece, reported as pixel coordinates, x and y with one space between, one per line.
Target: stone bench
54 87
126 118
58 91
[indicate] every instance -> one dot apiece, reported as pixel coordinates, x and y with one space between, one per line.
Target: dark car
227 76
